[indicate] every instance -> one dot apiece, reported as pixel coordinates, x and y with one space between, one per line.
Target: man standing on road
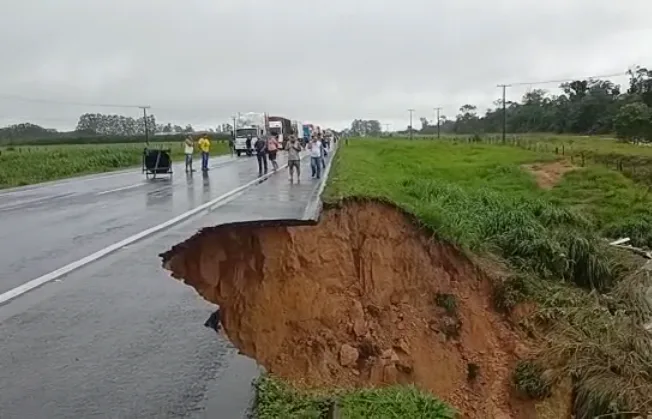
232 144
315 150
189 150
324 151
248 144
261 155
294 159
272 148
205 148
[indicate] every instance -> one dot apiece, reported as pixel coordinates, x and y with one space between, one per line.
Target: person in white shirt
315 151
189 150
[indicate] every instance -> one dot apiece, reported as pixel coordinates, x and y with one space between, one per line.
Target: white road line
123 188
64 182
51 276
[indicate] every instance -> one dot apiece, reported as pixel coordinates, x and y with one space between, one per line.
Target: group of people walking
317 146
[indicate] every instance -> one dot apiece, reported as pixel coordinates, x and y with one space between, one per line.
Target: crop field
545 220
25 165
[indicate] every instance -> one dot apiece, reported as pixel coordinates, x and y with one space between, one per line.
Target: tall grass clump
608 355
534 235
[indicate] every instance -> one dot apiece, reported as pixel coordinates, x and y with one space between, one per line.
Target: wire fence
632 160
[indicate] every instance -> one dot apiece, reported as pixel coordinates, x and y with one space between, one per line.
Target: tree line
100 128
587 107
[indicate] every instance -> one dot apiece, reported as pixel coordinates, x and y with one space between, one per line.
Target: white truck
248 123
297 129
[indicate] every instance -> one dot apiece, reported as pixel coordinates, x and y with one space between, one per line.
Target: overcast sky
323 61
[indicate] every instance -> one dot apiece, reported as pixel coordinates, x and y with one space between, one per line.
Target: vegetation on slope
276 399
590 298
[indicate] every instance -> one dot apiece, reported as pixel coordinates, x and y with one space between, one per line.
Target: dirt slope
548 175
363 297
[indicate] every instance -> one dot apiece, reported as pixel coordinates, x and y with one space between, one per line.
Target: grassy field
634 161
477 196
26 165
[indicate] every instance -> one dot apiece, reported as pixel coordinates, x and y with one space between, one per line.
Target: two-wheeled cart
157 162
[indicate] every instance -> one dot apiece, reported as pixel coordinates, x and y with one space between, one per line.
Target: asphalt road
44 228
119 338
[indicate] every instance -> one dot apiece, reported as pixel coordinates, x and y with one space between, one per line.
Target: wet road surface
45 228
119 338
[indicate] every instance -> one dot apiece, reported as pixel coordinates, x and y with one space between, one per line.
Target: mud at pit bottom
356 300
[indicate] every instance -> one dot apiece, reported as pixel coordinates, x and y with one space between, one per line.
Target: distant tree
364 127
424 124
640 84
634 121
26 131
115 125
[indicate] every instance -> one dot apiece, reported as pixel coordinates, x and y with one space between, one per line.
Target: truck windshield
275 131
243 132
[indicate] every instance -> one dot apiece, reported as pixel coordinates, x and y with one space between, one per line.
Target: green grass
27 165
476 196
275 399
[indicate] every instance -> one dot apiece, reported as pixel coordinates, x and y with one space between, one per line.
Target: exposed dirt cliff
362 298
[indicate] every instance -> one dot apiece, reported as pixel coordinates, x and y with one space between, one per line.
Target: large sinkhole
364 297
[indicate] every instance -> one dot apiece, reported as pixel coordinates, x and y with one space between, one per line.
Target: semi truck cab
240 143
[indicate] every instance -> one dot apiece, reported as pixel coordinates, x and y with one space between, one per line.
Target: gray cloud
200 61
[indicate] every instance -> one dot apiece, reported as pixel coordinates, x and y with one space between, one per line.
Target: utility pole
411 111
233 137
387 128
438 128
145 108
504 87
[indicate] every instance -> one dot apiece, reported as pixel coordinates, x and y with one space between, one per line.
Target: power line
523 83
504 87
438 125
411 111
530 83
69 103
145 108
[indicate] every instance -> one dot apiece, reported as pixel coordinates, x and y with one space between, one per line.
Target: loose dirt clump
547 175
362 298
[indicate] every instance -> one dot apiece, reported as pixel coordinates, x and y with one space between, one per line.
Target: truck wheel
238 153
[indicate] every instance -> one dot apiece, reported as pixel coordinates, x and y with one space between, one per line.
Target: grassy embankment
25 165
589 304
